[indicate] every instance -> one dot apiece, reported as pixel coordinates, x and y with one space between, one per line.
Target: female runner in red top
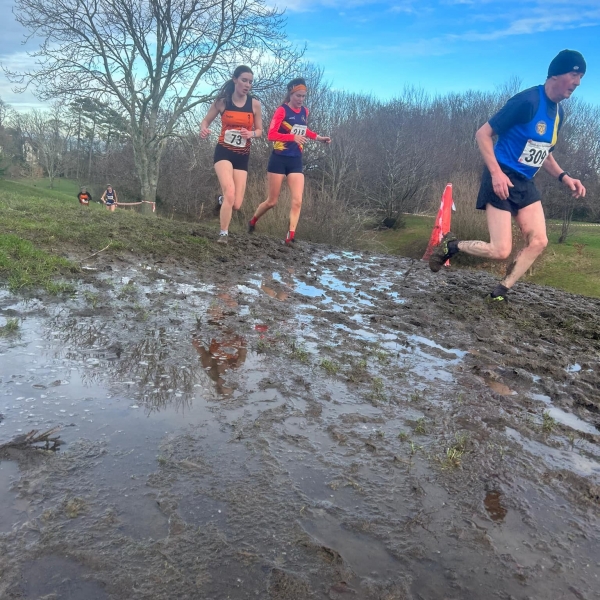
241 121
289 132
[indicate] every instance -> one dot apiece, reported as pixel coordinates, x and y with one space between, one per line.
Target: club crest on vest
540 127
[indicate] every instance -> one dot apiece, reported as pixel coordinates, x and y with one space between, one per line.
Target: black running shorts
521 195
284 165
239 161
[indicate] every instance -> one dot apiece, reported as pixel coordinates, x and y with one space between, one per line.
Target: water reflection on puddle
278 295
493 506
557 458
499 387
218 356
9 513
565 418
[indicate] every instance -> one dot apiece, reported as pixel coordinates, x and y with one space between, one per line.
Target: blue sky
439 45
445 45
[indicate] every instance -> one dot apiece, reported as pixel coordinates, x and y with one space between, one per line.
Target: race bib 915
535 153
233 137
298 130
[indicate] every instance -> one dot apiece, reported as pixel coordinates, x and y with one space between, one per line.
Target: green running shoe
496 299
441 253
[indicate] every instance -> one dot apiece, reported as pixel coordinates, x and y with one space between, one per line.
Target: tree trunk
91 147
147 164
78 141
566 224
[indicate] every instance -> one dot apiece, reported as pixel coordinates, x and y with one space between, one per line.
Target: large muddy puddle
310 425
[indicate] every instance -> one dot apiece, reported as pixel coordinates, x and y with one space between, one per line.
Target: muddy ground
299 424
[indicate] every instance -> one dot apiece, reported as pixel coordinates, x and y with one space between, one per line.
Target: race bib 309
535 153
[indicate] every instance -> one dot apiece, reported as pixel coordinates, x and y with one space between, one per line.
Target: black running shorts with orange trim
238 160
522 194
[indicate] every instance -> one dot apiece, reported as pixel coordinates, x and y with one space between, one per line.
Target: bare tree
5 110
47 132
156 59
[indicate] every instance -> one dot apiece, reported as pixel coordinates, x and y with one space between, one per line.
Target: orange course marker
442 222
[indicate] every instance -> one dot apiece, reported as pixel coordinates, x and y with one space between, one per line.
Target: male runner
527 128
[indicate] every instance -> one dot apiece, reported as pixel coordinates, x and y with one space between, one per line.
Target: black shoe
496 299
441 253
251 227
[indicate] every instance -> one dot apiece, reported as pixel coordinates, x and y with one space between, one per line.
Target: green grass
23 266
11 328
409 241
571 266
38 226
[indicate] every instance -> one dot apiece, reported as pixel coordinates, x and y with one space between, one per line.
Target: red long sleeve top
280 130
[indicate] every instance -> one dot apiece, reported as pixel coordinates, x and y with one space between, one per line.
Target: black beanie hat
565 62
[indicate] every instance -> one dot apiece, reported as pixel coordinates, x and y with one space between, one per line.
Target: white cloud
549 21
17 61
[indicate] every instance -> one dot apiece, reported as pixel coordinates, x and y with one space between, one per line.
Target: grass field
39 227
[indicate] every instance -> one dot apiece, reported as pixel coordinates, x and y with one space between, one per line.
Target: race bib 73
234 138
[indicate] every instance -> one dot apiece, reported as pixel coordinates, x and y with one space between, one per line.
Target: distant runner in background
84 197
527 128
241 121
109 198
289 132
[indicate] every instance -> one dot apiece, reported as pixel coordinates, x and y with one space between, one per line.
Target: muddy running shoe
251 227
441 253
223 239
496 299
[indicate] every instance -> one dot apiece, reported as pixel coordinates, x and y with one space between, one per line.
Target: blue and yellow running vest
525 147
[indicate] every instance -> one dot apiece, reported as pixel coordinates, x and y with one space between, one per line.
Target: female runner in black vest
241 121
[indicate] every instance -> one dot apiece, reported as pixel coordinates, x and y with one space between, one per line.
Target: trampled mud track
296 424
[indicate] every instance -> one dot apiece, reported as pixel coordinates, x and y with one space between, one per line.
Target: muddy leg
224 171
274 181
296 185
239 179
532 222
500 244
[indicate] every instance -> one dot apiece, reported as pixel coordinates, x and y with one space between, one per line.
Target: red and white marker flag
442 222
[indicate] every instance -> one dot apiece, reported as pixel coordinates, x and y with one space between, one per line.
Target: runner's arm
257 131
211 115
311 134
276 121
500 180
552 167
103 197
